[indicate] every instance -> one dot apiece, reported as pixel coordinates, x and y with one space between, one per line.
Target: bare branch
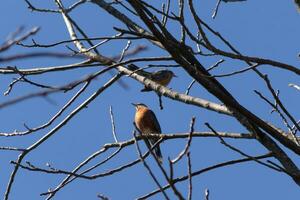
294 86
215 65
216 9
14 40
188 144
237 72
113 124
54 130
206 194
199 172
190 87
47 92
38 54
239 151
148 168
12 149
59 113
189 163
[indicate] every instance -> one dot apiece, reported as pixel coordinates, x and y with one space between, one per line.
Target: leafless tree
145 21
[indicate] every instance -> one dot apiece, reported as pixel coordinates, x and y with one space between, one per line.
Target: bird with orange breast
147 123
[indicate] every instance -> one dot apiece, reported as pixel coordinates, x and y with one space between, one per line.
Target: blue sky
267 29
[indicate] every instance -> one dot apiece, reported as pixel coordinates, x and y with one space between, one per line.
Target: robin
162 77
147 123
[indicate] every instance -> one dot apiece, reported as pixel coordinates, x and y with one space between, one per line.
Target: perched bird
147 123
162 77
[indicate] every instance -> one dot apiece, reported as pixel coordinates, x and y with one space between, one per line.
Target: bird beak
134 104
175 75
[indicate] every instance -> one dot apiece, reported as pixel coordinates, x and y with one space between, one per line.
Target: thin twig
285 121
187 92
237 72
124 51
160 101
113 124
188 144
216 9
189 163
12 149
13 41
206 194
11 85
215 65
240 152
297 87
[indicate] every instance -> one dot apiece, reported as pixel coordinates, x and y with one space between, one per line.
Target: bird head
171 73
168 73
139 105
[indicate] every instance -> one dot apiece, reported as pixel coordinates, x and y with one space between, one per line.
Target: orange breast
144 121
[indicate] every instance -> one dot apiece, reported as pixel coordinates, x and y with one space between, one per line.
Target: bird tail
158 154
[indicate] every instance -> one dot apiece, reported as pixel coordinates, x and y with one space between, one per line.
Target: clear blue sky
267 29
